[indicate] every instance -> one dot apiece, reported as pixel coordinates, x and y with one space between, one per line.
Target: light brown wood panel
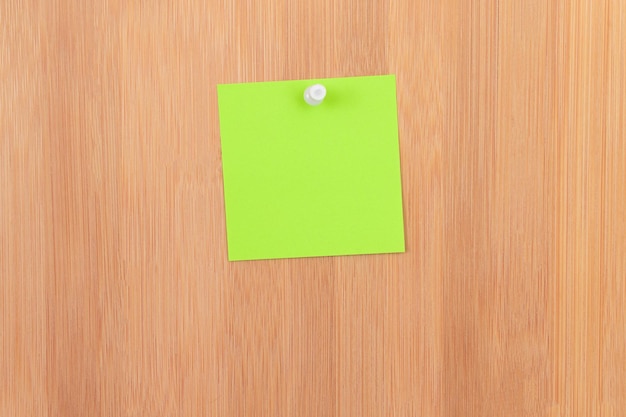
116 298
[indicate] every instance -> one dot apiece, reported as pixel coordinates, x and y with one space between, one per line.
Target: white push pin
314 95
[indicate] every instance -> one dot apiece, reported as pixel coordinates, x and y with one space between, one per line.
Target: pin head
315 94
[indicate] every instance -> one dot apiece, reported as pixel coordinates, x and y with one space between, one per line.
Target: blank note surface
302 180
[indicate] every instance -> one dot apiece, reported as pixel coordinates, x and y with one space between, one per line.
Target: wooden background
116 298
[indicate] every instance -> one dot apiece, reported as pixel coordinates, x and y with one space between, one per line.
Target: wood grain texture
116 298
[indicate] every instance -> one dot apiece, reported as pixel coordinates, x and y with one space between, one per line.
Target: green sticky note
302 180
